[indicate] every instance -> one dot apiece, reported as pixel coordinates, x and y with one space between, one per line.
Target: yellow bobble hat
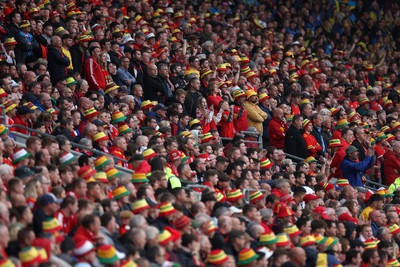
100 162
120 192
117 117
217 257
250 93
234 195
112 173
51 225
246 256
100 177
165 237
100 136
267 239
140 205
107 254
3 129
166 209
149 154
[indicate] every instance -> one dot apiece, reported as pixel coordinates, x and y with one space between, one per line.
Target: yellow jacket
255 115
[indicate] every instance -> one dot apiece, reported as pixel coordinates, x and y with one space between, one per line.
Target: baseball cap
49 198
321 211
159 106
99 123
23 172
351 149
24 110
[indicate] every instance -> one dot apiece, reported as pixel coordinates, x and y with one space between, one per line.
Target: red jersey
313 147
240 121
277 130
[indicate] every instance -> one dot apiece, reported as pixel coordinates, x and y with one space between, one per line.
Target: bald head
278 113
375 214
152 70
85 103
298 256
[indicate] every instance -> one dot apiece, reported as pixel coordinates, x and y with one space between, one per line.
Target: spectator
58 61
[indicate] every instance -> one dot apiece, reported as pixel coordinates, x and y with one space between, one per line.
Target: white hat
150 35
126 39
169 10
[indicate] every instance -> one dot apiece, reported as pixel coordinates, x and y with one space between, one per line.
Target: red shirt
240 121
313 147
94 75
277 130
84 234
18 120
227 129
67 223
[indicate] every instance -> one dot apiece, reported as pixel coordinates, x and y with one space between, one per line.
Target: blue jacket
353 170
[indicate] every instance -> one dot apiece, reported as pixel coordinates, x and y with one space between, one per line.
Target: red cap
54 14
307 198
182 222
175 155
204 156
321 211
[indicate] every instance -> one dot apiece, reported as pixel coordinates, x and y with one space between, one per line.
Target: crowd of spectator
200 133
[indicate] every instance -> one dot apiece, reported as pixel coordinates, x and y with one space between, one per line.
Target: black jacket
58 64
79 57
294 143
137 70
154 89
114 58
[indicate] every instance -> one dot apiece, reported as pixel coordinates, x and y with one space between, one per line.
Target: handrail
376 183
94 151
294 157
75 153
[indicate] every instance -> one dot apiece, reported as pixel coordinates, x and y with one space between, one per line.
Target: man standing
154 86
254 113
93 72
192 97
294 142
240 121
277 129
124 76
361 141
352 169
391 163
58 62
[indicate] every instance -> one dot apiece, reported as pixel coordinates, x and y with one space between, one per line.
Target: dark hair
106 218
187 239
88 220
351 254
367 255
68 200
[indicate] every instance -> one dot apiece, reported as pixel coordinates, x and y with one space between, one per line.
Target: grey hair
207 43
86 142
324 112
266 213
342 210
280 183
5 169
137 220
381 231
222 211
202 218
152 232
